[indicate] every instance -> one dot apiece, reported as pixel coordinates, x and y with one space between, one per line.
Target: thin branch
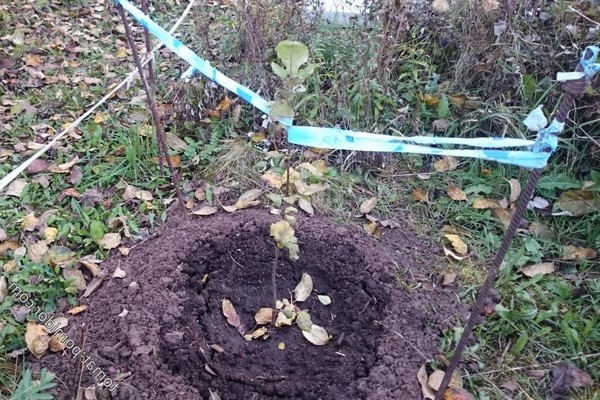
160 134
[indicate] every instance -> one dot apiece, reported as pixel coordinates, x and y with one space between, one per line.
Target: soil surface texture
173 342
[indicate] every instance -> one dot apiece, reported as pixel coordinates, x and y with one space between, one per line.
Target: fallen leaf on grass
446 163
536 373
503 215
248 199
175 161
37 250
16 188
542 231
574 253
450 253
30 221
368 205
420 195
303 288
110 241
59 255
205 211
63 168
309 190
76 276
37 339
538 269
175 142
515 190
317 335
456 194
38 166
50 234
3 289
10 245
537 203
264 316
510 384
273 179
481 203
459 246
566 377
232 316
579 202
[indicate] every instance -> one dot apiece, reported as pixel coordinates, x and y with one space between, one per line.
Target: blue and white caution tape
535 157
331 138
194 60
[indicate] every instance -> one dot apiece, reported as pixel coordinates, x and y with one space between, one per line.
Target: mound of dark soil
173 341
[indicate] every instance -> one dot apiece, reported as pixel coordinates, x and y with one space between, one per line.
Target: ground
384 324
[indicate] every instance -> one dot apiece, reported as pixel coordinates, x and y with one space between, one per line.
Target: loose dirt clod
167 341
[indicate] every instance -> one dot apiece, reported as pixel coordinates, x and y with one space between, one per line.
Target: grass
539 321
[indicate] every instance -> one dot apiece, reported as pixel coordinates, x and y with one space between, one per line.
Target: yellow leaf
456 194
538 269
224 105
481 203
33 60
100 117
175 160
459 246
373 229
515 190
368 205
447 163
260 332
50 234
76 310
273 179
37 250
121 52
574 253
264 316
30 221
110 241
37 339
457 394
282 232
579 202
420 195
205 210
248 199
431 100
504 215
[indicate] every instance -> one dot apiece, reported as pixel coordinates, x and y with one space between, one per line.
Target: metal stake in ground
160 134
572 90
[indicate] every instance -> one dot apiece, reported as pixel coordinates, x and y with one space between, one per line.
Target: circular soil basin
175 343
